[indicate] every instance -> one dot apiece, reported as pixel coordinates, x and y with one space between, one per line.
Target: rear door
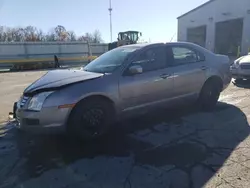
189 68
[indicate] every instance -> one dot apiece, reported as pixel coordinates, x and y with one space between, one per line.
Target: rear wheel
209 95
91 118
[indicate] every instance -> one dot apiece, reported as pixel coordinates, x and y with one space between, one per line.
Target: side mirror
135 69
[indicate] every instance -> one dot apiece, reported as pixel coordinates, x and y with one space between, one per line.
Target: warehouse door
197 35
228 36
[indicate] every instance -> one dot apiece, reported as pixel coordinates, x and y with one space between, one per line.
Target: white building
221 26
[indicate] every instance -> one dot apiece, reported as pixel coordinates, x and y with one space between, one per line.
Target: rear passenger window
184 55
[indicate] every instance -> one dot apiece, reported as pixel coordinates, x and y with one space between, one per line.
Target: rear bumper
48 121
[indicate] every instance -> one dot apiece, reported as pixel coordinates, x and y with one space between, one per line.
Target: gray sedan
122 83
241 68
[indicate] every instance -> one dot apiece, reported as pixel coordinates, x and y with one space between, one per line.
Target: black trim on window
197 52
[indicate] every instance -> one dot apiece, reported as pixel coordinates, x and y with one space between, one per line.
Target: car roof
182 43
192 45
189 44
141 45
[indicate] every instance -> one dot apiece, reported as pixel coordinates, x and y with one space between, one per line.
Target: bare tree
2 34
30 33
82 38
71 36
88 37
9 35
97 37
40 35
94 38
59 33
19 34
51 35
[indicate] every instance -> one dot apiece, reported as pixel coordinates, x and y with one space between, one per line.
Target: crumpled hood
59 78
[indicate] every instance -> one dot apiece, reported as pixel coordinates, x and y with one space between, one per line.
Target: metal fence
68 53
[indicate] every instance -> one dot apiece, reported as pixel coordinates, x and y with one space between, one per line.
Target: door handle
164 76
203 68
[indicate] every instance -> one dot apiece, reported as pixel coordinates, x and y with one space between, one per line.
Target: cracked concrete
191 149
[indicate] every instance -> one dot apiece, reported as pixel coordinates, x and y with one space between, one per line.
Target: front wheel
209 95
91 119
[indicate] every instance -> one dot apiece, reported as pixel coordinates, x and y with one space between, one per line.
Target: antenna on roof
172 37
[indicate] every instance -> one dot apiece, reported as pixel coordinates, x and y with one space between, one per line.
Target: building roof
204 4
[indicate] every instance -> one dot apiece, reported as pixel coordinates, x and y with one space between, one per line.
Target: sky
156 19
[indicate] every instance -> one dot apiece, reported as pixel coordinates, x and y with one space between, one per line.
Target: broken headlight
36 102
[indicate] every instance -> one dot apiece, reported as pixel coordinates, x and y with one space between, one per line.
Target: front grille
23 101
245 66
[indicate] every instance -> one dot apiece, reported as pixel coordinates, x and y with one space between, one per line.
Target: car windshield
109 61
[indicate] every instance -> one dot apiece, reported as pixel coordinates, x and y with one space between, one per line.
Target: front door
152 86
189 68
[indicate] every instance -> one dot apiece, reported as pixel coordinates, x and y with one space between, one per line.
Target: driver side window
151 59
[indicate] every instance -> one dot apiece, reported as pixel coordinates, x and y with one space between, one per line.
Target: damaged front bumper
12 115
49 120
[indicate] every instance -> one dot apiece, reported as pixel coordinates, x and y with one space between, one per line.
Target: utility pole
110 19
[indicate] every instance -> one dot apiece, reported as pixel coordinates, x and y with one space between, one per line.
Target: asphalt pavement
177 148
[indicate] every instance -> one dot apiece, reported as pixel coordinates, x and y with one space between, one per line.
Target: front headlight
36 102
236 64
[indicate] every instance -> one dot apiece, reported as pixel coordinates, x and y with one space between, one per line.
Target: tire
209 95
91 119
